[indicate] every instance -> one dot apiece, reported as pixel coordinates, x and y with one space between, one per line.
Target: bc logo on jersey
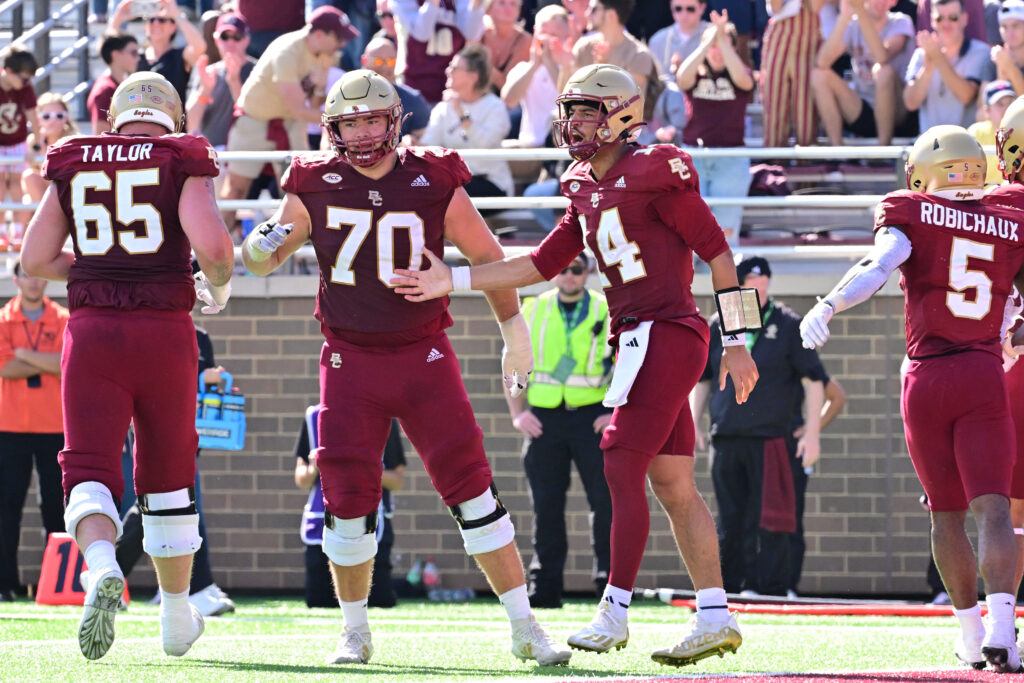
335 360
375 198
677 165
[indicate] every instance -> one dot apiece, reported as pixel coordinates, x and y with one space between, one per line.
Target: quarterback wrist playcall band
739 311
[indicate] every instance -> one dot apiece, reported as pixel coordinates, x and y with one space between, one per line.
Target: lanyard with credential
571 323
752 336
34 343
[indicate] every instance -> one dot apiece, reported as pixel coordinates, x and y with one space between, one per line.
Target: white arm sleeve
891 249
470 21
419 21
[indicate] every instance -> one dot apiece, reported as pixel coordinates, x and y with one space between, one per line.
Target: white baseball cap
1011 9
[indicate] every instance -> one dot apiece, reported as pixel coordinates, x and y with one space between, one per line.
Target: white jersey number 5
127 212
961 278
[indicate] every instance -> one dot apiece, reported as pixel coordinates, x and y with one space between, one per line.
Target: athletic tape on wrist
461 279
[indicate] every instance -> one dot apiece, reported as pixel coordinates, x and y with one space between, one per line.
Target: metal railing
548 154
39 36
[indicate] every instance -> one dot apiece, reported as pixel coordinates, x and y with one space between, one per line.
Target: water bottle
233 405
431 577
211 405
415 575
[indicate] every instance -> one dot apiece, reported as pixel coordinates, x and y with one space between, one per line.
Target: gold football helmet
146 96
608 88
360 94
946 158
1010 140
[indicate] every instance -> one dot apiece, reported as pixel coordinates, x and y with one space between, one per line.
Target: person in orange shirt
31 426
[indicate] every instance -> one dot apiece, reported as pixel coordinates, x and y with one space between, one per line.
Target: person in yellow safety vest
563 423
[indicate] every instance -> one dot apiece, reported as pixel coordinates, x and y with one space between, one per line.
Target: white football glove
814 327
266 239
215 297
517 355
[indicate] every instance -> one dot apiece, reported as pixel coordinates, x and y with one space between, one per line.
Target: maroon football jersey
13 122
362 229
960 271
425 62
120 194
643 221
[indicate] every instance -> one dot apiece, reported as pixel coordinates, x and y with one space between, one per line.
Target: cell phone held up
145 8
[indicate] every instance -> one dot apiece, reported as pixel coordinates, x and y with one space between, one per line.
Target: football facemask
612 91
358 95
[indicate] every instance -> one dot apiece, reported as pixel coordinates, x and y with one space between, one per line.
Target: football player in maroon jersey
370 208
639 210
136 202
957 256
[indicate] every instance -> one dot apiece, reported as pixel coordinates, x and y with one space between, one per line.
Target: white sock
1001 607
175 614
712 605
516 603
618 600
970 622
356 613
100 555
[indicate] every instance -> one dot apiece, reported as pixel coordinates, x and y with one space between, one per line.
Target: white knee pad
170 523
350 542
90 498
484 523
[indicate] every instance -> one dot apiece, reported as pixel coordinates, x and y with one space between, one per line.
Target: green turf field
280 639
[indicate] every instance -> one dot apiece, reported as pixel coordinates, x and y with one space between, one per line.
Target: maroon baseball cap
333 20
229 21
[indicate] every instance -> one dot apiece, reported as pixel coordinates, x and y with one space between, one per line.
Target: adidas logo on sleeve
434 355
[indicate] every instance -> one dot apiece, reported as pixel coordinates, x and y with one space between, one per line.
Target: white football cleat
96 630
1000 650
177 638
530 641
603 633
212 601
701 639
354 647
969 653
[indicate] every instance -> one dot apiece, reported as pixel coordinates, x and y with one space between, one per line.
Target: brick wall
865 530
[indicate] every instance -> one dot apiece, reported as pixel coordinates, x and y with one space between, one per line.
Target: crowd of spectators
484 73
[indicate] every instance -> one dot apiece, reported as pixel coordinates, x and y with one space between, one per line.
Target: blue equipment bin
220 418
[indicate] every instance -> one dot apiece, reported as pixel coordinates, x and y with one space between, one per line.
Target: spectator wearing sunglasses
55 122
120 52
380 56
673 44
173 63
562 419
946 69
215 87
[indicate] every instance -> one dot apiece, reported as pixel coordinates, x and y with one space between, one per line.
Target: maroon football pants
124 366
